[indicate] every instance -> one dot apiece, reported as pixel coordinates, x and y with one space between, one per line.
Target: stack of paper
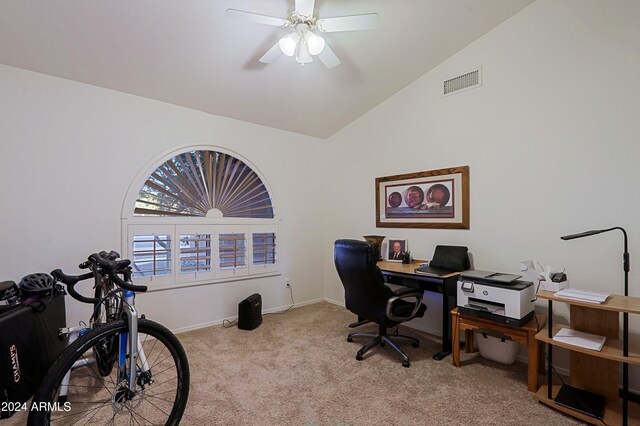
582 295
580 338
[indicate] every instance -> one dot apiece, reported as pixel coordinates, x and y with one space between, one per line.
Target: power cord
546 357
229 323
537 290
233 323
289 308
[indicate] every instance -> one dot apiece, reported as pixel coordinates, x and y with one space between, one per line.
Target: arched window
204 183
201 216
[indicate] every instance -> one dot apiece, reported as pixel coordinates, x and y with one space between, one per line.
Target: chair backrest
364 291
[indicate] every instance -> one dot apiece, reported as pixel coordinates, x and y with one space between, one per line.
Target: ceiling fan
303 43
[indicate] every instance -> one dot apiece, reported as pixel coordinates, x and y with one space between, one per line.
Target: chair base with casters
382 338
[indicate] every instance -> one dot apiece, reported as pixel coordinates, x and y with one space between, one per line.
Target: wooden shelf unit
594 371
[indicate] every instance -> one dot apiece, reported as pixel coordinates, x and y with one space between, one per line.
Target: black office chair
367 296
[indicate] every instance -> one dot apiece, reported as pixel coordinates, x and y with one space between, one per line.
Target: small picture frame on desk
397 246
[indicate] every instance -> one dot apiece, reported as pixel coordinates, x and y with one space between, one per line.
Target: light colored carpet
298 369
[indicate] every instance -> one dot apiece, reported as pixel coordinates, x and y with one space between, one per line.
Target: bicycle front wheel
162 382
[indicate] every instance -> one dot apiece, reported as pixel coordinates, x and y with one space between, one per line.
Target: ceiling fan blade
367 21
328 58
271 55
305 7
257 18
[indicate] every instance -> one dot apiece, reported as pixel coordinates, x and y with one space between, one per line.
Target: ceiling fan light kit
303 43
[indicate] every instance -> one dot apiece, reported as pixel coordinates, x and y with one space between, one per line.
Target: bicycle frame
129 345
134 344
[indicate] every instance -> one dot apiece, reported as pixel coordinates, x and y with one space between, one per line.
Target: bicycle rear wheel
161 393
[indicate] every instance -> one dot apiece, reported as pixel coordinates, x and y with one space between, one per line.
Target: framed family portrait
431 199
397 246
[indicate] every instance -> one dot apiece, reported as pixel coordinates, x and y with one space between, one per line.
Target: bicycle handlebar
72 280
113 268
107 262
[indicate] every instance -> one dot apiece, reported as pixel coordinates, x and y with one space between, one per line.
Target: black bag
29 343
452 258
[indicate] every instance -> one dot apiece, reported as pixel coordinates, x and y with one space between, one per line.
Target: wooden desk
525 335
399 273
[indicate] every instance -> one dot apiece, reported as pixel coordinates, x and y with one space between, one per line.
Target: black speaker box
250 312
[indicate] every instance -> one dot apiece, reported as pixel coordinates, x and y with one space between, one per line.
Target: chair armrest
401 294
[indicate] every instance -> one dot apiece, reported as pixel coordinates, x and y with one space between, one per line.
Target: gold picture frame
430 199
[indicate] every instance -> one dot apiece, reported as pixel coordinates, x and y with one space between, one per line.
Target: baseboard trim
335 302
220 321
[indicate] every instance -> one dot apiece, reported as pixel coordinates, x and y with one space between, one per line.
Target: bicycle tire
44 409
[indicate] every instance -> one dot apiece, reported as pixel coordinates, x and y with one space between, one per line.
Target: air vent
465 81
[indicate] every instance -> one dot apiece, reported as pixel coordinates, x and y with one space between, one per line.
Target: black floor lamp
625 315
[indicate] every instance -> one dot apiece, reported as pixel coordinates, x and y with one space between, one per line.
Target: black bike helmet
9 293
36 284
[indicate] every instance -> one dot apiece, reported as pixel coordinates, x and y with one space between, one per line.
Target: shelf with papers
612 348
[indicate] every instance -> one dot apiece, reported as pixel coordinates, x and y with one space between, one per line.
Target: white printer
496 296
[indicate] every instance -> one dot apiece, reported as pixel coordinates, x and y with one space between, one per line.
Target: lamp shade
288 43
315 43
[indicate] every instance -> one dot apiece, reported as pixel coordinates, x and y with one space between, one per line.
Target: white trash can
497 349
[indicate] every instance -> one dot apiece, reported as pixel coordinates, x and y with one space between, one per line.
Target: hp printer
496 296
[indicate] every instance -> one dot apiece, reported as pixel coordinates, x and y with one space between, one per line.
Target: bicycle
106 303
149 385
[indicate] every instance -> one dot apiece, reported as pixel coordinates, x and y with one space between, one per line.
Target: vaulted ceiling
188 53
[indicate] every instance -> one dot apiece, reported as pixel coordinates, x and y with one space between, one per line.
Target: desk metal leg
448 303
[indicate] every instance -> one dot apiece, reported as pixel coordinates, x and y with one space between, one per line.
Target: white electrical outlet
287 283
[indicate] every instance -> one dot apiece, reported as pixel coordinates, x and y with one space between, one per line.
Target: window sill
153 287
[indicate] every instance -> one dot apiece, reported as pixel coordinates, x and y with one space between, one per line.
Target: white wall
551 138
69 152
